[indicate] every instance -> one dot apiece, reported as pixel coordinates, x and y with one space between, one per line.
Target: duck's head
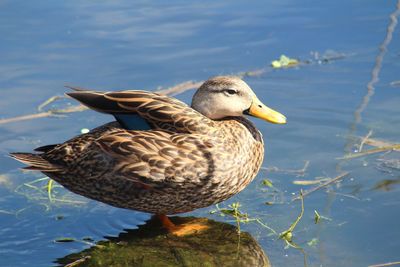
225 96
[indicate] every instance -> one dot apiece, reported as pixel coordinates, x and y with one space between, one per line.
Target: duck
160 155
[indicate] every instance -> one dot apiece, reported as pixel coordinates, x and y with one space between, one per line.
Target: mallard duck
162 156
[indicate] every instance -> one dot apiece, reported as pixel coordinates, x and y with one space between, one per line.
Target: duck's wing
152 158
158 111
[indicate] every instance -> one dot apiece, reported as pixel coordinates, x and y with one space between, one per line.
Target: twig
180 88
49 101
78 261
385 264
299 172
50 113
377 143
337 178
364 140
345 195
371 151
253 73
310 182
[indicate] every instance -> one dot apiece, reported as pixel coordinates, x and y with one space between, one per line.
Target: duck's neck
249 126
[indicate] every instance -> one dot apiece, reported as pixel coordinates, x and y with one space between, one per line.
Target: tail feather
96 101
36 162
76 88
45 148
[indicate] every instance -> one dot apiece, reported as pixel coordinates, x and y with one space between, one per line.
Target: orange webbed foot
189 228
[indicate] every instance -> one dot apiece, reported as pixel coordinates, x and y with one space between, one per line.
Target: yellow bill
259 110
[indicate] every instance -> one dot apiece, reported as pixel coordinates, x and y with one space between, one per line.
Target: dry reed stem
337 178
385 264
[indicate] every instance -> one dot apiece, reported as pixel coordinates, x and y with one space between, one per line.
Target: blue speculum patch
132 122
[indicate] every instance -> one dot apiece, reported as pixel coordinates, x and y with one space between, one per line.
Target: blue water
144 45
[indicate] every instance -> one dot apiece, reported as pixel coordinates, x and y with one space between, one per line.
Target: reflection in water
151 245
389 165
386 184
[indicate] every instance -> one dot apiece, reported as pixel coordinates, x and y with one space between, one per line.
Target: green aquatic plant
240 217
44 191
287 235
313 242
233 211
49 189
267 182
317 217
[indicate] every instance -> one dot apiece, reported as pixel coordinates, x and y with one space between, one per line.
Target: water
121 45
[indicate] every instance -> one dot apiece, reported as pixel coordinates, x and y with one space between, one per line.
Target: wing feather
153 160
159 111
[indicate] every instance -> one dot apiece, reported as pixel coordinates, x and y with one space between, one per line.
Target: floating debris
85 240
386 264
326 57
64 240
310 182
267 183
317 217
85 130
6 212
254 73
78 261
284 62
5 180
59 217
313 242
395 83
371 141
377 142
392 164
360 147
394 147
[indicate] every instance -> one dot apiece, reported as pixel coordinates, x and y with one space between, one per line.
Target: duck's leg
183 229
166 222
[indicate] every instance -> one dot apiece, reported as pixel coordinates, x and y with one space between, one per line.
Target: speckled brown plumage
184 162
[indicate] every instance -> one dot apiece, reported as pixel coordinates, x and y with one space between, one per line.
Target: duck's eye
230 91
